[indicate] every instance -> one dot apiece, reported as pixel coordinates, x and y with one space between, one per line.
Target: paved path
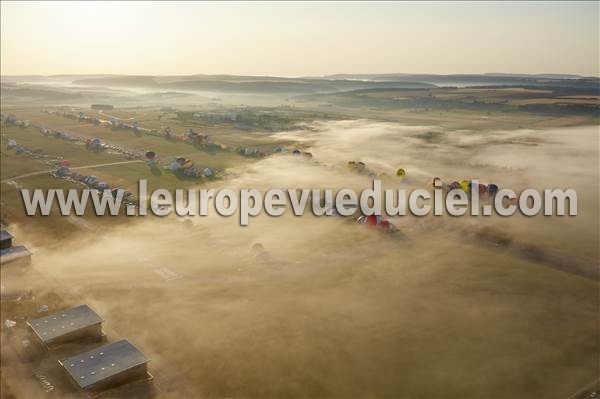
78 167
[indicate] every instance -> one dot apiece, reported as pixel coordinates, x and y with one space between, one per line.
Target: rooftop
5 235
96 365
50 327
13 253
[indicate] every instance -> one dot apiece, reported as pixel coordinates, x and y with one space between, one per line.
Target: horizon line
498 74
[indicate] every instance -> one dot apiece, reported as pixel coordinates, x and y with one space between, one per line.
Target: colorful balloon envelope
464 185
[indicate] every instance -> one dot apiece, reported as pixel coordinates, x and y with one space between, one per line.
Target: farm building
18 254
5 239
108 366
68 325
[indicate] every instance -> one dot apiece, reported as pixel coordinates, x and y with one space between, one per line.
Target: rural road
116 117
78 167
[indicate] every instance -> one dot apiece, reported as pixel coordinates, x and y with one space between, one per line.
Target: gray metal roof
5 235
104 362
66 321
13 253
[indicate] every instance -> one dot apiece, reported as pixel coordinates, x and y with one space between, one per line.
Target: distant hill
246 84
124 88
462 80
536 75
312 85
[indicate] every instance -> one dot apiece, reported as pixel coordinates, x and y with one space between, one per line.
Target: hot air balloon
63 171
401 172
174 166
372 220
208 172
454 185
464 185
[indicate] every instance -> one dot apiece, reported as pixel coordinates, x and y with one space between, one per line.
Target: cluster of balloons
467 186
94 144
181 163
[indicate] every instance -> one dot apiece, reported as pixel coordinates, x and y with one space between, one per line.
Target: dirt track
76 168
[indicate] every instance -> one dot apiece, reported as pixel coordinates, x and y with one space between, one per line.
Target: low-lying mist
322 307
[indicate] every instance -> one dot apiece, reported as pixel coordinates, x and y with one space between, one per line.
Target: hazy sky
300 38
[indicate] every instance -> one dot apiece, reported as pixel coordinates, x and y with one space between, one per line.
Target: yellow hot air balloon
464 185
401 172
